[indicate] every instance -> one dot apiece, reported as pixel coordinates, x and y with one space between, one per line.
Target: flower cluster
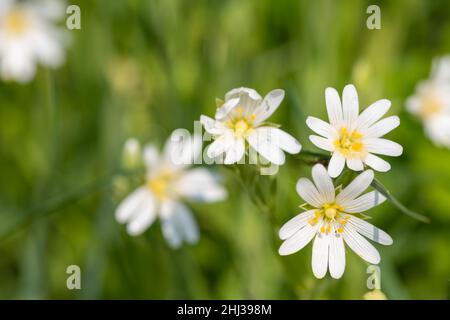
240 126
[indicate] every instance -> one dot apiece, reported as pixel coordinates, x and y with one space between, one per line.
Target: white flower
241 119
331 222
169 181
431 103
354 138
28 36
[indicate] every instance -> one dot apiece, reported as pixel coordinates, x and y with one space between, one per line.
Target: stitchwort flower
240 124
169 182
354 138
331 222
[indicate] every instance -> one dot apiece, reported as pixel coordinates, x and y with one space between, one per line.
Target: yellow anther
330 213
349 142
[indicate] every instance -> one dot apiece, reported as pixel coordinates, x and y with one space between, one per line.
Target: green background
144 68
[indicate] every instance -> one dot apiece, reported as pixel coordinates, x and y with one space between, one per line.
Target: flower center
16 22
331 214
349 143
160 184
241 124
430 107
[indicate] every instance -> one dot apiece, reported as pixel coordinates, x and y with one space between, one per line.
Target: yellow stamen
349 143
16 22
160 184
430 106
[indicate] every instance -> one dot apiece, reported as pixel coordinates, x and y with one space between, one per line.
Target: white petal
243 92
295 224
298 241
336 165
322 143
178 224
370 231
364 202
220 144
200 185
355 188
321 127
383 146
438 130
143 217
377 163
337 255
334 107
323 182
355 164
48 46
373 113
382 127
320 255
361 246
186 223
17 63
226 108
128 206
308 192
182 148
268 106
235 151
279 138
211 126
171 232
151 157
350 106
262 142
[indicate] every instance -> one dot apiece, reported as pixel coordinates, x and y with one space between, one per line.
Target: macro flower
354 138
431 103
240 124
28 36
332 221
170 181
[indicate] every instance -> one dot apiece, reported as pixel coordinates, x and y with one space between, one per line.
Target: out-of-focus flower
431 103
331 221
351 137
169 181
131 153
28 36
241 119
375 295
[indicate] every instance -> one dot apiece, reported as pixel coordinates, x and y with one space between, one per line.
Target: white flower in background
28 36
354 138
431 103
169 182
241 119
332 222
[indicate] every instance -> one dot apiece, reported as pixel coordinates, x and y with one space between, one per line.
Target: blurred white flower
131 153
375 295
28 36
331 222
241 119
169 181
431 103
351 137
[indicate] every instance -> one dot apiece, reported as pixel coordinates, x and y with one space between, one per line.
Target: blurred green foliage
144 68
